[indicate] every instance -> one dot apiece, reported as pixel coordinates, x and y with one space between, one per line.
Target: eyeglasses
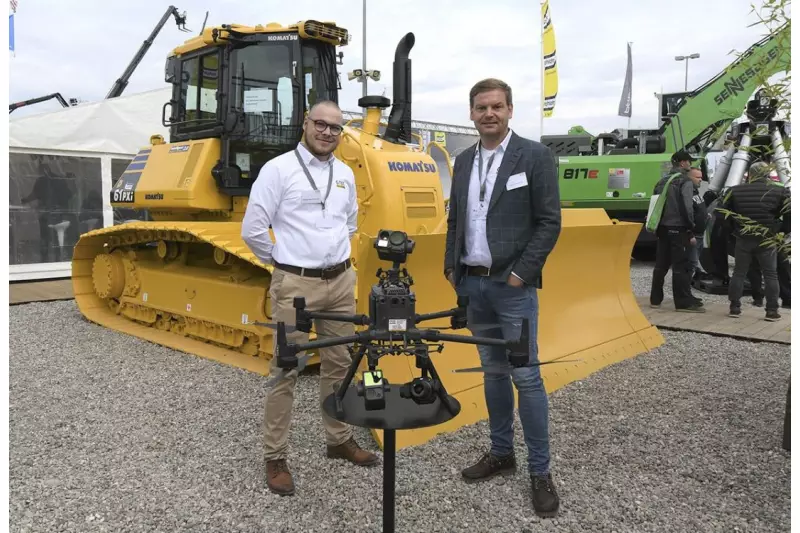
321 125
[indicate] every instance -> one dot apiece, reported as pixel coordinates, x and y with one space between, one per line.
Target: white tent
119 125
62 165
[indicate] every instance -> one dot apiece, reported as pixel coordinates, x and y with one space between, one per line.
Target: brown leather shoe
279 479
351 451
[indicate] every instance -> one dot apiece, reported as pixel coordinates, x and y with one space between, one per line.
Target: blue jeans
494 302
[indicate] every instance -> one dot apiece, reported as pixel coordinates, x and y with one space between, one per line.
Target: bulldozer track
194 287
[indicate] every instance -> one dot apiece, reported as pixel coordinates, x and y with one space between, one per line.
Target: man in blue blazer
503 222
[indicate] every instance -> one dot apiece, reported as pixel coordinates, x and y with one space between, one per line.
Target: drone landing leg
347 379
389 446
452 408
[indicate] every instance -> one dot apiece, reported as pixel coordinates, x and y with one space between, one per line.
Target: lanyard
311 181
480 171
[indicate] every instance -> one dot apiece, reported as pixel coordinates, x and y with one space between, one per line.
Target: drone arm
438 314
435 336
458 313
327 343
361 320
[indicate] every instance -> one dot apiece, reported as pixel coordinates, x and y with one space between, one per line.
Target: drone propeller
507 370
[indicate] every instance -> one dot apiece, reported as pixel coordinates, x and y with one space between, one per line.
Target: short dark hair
489 84
330 103
682 155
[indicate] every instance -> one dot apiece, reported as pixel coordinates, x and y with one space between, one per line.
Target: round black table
398 414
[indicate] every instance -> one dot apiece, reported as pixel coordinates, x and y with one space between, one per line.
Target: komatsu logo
736 84
407 166
290 37
154 196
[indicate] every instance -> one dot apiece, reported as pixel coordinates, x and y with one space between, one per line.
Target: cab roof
326 31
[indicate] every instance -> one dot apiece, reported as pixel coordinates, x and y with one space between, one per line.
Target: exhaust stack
398 128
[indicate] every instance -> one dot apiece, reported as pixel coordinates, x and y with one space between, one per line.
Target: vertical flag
13 5
549 68
625 101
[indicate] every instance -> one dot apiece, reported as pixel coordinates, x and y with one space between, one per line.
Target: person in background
675 235
760 201
700 221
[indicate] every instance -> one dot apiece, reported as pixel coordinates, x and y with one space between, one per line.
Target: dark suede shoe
772 316
545 498
279 479
489 466
351 451
692 308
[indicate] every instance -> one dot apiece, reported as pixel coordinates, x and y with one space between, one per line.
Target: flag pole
541 70
630 44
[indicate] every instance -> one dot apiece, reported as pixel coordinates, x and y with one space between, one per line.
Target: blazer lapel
512 155
466 169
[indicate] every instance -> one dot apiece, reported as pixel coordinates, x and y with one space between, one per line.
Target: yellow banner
550 72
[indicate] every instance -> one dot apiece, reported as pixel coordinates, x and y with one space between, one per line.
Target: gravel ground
111 433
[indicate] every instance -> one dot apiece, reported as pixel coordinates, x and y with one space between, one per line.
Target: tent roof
119 125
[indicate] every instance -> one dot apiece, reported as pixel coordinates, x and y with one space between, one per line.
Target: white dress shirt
477 245
306 236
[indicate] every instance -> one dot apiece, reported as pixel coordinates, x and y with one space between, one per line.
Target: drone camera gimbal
392 330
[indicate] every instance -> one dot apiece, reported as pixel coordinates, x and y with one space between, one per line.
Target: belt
324 273
477 270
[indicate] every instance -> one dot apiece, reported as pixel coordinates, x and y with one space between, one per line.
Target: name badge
516 181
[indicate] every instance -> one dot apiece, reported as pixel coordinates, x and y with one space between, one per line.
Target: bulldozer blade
587 311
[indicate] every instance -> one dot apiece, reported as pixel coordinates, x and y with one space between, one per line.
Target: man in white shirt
309 198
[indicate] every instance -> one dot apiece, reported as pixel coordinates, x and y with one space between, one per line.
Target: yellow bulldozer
186 279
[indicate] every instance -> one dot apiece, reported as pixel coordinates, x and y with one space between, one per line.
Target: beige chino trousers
334 296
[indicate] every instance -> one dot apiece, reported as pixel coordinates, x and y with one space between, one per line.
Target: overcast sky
80 48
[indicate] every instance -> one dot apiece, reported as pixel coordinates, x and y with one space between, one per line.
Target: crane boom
704 114
57 96
122 82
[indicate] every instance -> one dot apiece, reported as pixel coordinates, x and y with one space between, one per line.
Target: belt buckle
330 272
483 271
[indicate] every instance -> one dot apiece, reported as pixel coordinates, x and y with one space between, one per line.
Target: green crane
617 171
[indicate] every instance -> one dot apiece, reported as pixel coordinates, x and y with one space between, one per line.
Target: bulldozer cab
250 87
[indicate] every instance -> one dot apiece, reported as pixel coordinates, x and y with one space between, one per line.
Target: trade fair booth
61 168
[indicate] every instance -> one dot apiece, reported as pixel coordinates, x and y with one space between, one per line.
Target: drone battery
374 398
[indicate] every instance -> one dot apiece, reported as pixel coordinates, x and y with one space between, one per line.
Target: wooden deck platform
40 291
715 321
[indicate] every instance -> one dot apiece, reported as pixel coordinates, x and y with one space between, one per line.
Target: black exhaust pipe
398 128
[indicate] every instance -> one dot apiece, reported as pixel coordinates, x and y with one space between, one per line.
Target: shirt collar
310 159
501 148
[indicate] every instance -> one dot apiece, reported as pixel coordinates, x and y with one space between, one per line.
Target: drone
392 330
